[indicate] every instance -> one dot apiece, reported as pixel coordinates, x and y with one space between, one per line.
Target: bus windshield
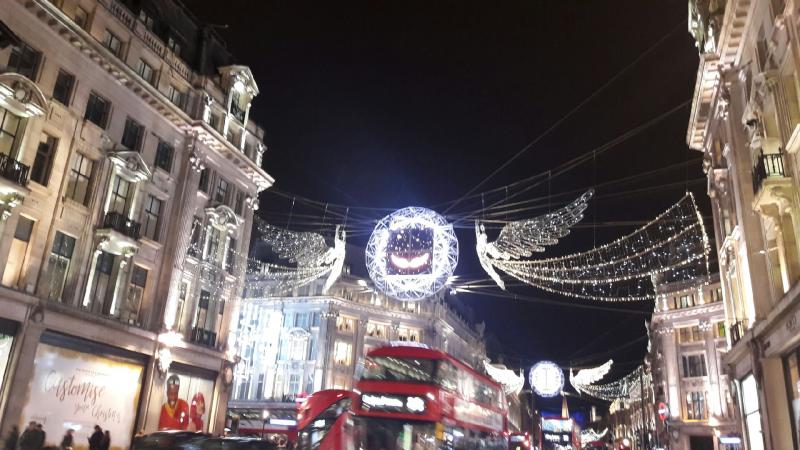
391 368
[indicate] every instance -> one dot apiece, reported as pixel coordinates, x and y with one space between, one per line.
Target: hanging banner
187 401
74 390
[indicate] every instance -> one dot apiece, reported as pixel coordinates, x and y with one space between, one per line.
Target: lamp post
264 417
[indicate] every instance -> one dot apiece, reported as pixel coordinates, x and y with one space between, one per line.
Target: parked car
227 443
165 440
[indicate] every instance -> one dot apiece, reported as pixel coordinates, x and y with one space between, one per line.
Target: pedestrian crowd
33 438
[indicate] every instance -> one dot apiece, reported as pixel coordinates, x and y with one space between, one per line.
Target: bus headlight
415 404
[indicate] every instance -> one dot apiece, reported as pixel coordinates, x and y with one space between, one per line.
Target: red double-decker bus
320 420
415 398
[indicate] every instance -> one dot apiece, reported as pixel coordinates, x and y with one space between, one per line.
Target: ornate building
745 119
129 170
307 341
687 341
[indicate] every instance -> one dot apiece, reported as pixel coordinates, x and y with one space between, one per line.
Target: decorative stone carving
7 203
196 161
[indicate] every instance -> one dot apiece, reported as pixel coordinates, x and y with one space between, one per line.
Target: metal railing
767 165
737 330
118 222
13 170
203 337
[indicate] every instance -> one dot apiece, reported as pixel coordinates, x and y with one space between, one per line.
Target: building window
97 110
260 386
312 348
174 44
407 335
113 43
205 177
43 162
342 353
376 330
345 325
81 17
18 254
151 222
182 293
147 19
719 330
130 310
196 244
120 188
62 91
80 177
694 365
751 409
689 334
221 193
238 207
212 251
230 258
146 72
58 265
695 406
297 348
294 384
164 153
237 109
24 60
102 291
132 135
176 96
10 128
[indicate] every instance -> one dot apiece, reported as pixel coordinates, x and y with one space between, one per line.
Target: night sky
380 105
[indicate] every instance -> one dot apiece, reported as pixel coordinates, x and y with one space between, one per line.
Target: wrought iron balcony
203 337
13 170
767 166
737 330
118 222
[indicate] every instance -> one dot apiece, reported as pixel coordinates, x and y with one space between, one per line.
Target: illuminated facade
688 338
745 118
128 175
308 341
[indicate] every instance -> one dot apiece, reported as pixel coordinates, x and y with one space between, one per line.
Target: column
672 373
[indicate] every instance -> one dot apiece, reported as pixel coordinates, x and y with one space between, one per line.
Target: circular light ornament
411 253
546 378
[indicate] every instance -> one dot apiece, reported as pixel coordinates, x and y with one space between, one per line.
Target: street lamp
264 417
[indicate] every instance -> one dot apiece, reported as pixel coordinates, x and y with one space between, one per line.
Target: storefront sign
74 390
186 405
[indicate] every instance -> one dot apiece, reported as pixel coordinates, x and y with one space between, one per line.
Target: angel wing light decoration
511 382
312 256
589 376
523 238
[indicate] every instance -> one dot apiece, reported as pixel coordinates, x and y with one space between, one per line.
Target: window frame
17 134
23 52
142 69
75 175
161 162
148 216
65 98
111 40
137 132
96 100
44 158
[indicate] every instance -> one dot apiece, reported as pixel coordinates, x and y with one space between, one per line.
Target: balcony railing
118 222
737 330
13 170
767 165
203 337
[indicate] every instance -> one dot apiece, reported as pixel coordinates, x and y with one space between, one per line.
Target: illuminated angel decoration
590 375
312 256
512 383
672 247
523 238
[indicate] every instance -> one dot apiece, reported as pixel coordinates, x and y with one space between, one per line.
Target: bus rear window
390 368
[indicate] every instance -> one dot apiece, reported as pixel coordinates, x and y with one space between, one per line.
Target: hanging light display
626 388
512 383
590 375
524 237
546 379
672 247
412 253
311 256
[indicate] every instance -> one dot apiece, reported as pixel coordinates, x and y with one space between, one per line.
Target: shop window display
185 406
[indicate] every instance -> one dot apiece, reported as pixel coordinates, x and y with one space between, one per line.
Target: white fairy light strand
673 246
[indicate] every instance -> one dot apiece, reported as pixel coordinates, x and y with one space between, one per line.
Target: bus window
447 375
388 368
312 435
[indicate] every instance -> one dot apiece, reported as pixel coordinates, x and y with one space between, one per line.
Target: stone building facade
129 171
745 118
687 342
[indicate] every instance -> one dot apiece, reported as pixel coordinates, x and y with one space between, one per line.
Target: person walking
12 439
66 441
27 441
96 438
105 444
41 437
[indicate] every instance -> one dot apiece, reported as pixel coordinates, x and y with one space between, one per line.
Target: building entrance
701 443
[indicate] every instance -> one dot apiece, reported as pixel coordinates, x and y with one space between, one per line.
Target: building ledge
773 190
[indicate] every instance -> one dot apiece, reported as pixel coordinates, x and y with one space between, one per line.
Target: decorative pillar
101 244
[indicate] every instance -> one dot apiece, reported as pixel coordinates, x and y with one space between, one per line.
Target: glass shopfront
76 389
187 401
8 330
751 408
791 364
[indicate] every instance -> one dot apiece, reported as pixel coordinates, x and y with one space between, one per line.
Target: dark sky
390 104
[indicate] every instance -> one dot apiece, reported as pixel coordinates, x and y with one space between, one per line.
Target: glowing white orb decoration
546 378
411 253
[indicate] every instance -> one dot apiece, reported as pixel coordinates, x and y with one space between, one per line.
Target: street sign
663 411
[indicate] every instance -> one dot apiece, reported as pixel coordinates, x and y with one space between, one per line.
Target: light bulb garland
626 388
672 247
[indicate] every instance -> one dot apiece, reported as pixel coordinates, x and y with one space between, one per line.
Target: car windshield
391 368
